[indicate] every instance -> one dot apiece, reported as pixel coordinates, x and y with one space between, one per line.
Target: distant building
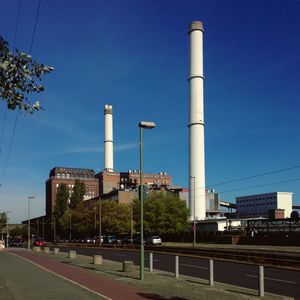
130 180
260 205
121 186
212 199
68 176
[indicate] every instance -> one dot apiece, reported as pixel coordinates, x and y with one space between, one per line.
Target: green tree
3 220
115 217
20 75
61 204
164 213
19 232
77 194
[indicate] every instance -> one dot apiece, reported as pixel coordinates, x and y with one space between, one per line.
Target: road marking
117 254
274 279
193 266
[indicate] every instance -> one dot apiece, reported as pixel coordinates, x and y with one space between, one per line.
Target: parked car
89 240
153 240
97 240
39 242
128 240
112 239
15 243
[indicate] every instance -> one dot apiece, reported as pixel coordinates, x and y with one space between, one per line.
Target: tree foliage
164 213
3 219
61 204
77 194
81 221
20 232
115 218
20 75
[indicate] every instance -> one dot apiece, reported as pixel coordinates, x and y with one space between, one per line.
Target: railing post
151 262
261 281
211 272
176 266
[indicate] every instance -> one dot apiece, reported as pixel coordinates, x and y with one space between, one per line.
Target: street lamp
194 214
70 225
100 222
146 125
28 237
6 213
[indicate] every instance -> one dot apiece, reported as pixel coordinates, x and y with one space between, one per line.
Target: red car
39 243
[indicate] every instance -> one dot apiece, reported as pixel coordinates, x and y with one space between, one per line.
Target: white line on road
274 279
193 266
117 254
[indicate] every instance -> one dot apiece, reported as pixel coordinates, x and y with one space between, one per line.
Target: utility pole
28 237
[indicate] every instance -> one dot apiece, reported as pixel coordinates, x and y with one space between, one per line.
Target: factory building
261 205
68 176
130 180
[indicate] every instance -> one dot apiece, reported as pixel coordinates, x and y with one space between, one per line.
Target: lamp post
100 222
194 215
6 213
131 222
95 217
28 230
146 125
70 225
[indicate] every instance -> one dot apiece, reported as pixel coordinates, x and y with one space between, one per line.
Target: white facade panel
259 205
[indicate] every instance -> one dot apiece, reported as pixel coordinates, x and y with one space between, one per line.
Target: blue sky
134 55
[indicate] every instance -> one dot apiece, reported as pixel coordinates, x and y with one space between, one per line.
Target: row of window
87 187
73 175
256 199
256 204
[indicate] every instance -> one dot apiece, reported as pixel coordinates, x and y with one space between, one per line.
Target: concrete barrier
128 266
72 254
46 249
55 250
97 259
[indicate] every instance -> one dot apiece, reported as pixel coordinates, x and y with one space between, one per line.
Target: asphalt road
277 281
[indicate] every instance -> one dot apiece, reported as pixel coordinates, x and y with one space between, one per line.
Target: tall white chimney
196 124
108 139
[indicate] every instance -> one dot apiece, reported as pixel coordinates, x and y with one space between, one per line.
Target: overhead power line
253 186
14 47
30 51
260 185
10 147
254 176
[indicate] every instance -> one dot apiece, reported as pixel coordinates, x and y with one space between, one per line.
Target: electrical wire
17 116
35 25
260 185
254 176
10 147
14 46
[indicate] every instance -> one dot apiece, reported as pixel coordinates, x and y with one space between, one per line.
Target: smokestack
108 139
196 124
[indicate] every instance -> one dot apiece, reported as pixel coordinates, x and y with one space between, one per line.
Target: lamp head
147 125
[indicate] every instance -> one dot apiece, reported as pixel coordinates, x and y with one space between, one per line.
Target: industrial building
261 205
109 185
68 176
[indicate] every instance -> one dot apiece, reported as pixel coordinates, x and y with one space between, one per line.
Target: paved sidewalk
31 275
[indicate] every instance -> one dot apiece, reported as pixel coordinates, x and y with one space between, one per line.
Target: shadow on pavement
157 297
